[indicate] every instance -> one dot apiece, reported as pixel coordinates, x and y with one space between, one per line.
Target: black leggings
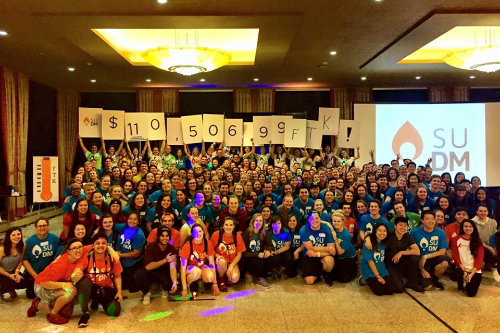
7 285
380 289
100 295
255 266
29 283
144 279
128 281
471 288
345 269
284 259
407 268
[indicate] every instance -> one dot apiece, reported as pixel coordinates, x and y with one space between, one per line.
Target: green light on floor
156 316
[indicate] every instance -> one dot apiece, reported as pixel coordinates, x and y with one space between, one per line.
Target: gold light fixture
484 59
187 60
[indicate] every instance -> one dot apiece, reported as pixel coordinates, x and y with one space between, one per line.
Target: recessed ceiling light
379 0
89 64
333 52
202 80
472 77
256 79
71 69
93 80
324 63
148 80
162 2
363 78
309 79
418 77
3 33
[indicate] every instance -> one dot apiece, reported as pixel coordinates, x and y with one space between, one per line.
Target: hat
115 201
76 186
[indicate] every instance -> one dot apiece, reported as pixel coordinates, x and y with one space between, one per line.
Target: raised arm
271 148
163 145
85 150
144 151
120 147
357 153
150 151
103 148
129 152
186 150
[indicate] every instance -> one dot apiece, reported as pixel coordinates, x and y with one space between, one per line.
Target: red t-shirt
175 238
59 270
351 225
199 253
100 273
227 248
450 230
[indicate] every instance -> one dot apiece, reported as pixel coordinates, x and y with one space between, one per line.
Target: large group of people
200 220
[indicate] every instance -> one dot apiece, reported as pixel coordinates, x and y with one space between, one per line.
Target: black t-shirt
154 253
393 245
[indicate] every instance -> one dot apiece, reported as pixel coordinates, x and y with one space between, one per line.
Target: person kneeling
195 252
54 286
160 261
102 281
345 268
372 266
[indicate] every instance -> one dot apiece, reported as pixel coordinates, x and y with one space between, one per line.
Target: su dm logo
445 141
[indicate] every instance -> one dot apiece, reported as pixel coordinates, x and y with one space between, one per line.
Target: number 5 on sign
136 129
233 132
213 127
113 123
192 128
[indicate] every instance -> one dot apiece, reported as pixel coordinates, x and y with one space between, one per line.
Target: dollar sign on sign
113 124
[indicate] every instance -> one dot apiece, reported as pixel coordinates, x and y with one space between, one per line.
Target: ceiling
294 42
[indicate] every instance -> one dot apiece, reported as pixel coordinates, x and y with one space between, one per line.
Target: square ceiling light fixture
183 51
470 48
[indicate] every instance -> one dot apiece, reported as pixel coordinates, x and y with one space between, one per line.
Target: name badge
296 236
321 234
44 243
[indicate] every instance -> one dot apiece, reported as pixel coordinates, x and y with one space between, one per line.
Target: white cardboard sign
314 134
213 127
261 130
278 128
192 128
233 132
113 124
349 133
174 131
329 119
295 133
136 126
247 134
156 126
89 122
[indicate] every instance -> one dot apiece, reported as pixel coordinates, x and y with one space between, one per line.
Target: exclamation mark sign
349 130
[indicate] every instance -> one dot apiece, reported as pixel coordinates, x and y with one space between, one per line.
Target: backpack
205 243
108 273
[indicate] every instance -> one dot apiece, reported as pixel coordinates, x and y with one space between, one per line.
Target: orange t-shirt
175 240
100 274
451 230
59 270
198 254
227 248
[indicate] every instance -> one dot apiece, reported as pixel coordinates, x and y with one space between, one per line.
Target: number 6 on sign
233 132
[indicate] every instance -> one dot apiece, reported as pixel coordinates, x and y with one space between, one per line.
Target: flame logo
407 133
424 243
86 121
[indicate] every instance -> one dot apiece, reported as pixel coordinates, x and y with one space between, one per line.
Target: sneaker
328 280
223 287
13 296
248 278
84 320
146 299
34 307
416 288
437 284
361 281
57 319
262 282
164 293
195 289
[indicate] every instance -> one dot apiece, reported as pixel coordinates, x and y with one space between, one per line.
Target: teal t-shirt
378 258
280 239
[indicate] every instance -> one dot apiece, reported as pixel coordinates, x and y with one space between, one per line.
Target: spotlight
71 69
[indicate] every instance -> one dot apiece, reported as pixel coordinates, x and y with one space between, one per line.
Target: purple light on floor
240 294
216 311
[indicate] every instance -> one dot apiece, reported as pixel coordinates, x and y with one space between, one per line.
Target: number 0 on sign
213 127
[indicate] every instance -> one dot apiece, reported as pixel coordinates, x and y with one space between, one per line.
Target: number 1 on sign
136 129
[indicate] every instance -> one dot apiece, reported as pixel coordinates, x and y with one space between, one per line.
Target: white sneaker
164 293
146 299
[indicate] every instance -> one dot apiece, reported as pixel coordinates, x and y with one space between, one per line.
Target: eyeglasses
76 248
42 226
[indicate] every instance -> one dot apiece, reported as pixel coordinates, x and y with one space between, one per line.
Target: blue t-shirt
344 240
261 198
366 223
295 238
378 258
335 205
68 207
304 208
205 213
40 253
321 237
280 239
414 204
429 242
153 197
130 239
492 242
